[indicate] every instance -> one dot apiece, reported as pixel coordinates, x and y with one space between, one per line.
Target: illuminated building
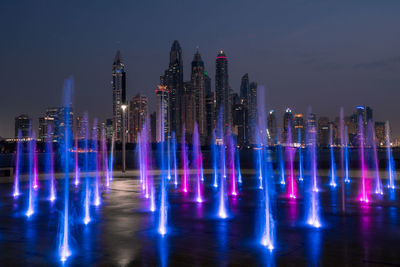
198 86
298 127
119 95
287 122
173 81
323 131
161 113
138 108
272 127
222 88
23 123
380 132
189 109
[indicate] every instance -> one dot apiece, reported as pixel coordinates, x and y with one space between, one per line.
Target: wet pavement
123 230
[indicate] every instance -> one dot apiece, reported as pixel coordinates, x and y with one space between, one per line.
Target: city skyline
365 72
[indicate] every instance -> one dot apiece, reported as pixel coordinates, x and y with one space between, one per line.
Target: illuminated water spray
175 162
231 163
104 156
292 189
390 161
86 198
364 183
301 163
31 198
214 149
35 166
238 171
111 160
197 163
50 165
332 171
16 188
222 205
281 161
346 156
371 139
312 201
185 186
76 161
97 196
66 146
267 221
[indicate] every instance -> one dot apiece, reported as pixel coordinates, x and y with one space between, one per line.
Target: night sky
325 54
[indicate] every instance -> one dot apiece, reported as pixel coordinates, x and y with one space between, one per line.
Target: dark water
122 231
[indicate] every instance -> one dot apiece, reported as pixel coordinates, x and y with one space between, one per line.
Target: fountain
97 196
332 172
231 162
50 163
371 139
76 159
364 183
267 222
86 217
390 161
185 186
346 156
104 156
197 163
239 174
312 201
301 164
214 149
111 160
35 165
290 154
175 160
31 197
281 160
16 189
65 145
222 205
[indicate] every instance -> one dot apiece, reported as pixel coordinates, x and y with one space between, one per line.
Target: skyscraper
188 109
222 88
161 113
272 127
252 110
244 100
138 108
210 113
298 127
323 131
119 95
173 81
198 84
287 122
24 124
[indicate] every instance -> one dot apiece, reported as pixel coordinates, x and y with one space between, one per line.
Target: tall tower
198 83
222 87
138 109
119 94
245 101
173 81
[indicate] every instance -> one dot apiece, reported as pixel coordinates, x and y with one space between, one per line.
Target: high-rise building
153 126
239 123
323 131
109 130
272 127
287 123
138 108
198 85
244 100
119 95
44 133
299 128
188 109
162 128
252 110
222 88
210 114
207 83
23 123
380 132
173 81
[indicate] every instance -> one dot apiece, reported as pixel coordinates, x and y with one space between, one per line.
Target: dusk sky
325 54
